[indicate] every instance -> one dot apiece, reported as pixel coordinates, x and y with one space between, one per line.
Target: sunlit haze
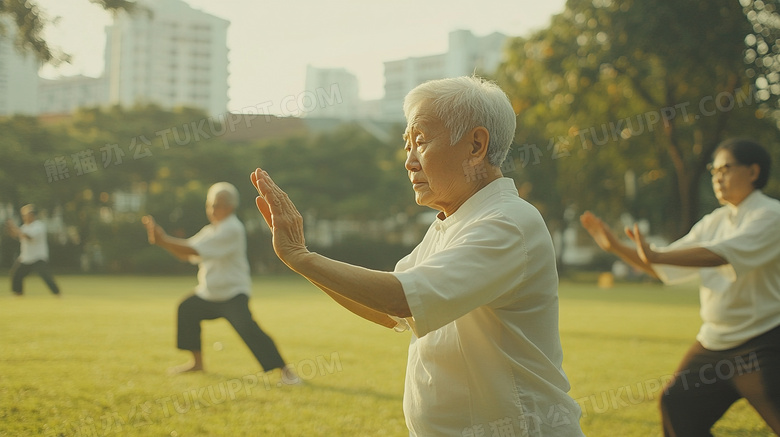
272 42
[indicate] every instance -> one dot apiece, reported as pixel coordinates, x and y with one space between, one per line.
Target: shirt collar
230 217
474 202
736 213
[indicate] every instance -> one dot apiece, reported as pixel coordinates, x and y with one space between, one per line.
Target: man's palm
598 230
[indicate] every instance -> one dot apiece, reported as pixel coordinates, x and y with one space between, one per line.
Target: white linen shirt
486 356
223 269
739 300
35 247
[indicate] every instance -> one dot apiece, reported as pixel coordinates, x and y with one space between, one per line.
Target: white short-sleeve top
34 247
223 269
485 354
741 299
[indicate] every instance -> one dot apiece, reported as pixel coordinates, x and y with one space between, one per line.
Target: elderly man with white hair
479 293
224 282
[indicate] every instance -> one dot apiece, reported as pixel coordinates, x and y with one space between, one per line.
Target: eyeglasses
722 170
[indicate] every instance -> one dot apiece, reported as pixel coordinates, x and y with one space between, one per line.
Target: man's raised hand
282 217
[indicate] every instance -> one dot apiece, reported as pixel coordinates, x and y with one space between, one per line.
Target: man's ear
755 172
480 138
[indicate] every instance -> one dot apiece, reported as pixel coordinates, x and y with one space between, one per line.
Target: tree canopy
84 165
30 23
620 105
636 95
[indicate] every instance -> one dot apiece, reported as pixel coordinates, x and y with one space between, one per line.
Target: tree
166 159
30 24
648 88
345 173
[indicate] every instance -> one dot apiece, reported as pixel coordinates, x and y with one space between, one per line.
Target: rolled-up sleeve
754 244
216 242
481 263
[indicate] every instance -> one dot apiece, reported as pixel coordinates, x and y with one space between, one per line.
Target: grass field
94 363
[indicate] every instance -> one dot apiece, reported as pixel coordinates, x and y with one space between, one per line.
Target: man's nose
412 163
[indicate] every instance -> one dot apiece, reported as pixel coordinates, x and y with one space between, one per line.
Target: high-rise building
169 54
65 95
330 93
466 55
18 76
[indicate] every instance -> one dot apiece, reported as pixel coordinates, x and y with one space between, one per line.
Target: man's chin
420 199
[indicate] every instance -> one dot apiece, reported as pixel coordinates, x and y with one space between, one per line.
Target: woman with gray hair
479 293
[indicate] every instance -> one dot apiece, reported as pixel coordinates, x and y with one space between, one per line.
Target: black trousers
20 270
708 382
193 309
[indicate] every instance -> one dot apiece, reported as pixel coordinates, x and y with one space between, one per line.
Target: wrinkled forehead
422 114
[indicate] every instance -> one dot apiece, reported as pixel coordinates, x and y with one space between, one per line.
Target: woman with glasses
735 252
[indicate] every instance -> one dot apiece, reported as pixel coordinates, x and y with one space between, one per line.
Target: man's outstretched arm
691 257
379 292
179 247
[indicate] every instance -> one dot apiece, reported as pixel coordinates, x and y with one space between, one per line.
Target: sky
271 42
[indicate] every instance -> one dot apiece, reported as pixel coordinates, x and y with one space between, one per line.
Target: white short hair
466 102
28 209
225 189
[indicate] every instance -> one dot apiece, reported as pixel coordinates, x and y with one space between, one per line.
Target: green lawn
94 363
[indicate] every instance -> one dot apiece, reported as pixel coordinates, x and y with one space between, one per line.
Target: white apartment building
18 76
65 95
172 55
467 54
330 93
